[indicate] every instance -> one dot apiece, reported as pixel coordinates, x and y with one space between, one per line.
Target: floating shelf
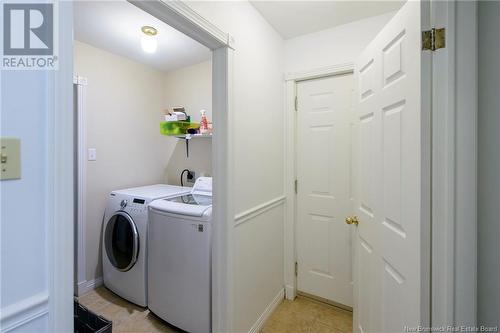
174 128
188 137
193 136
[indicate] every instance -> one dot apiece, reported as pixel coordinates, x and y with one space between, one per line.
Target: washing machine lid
203 186
153 192
188 204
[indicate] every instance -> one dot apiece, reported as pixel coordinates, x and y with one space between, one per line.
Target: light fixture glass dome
148 40
149 44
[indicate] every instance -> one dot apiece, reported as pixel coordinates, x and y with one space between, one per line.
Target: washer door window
121 241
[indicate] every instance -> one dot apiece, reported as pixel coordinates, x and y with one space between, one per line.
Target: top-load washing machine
124 240
179 258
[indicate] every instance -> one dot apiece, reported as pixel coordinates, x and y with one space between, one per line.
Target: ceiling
295 18
115 26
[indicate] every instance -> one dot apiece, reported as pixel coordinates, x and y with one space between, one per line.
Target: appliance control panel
137 205
130 204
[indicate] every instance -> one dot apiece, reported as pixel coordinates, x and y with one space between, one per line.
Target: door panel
392 160
324 190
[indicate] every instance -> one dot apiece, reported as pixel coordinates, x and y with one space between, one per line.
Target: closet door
324 253
392 258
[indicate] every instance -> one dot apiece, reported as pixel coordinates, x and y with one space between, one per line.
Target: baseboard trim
290 292
326 301
257 210
259 324
86 286
24 311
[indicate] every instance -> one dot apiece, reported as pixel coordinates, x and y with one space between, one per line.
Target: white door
323 162
391 267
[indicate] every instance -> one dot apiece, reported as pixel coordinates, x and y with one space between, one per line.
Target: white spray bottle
203 122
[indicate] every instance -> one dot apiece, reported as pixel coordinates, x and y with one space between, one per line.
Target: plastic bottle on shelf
203 122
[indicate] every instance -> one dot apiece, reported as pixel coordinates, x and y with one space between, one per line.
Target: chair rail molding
258 210
24 311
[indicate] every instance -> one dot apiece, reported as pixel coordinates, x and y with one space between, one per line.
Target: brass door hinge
296 103
296 268
434 39
296 185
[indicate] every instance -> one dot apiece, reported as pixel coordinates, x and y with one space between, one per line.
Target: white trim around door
320 72
81 283
454 166
61 180
290 169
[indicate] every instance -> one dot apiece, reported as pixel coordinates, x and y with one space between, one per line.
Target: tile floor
304 315
301 316
126 317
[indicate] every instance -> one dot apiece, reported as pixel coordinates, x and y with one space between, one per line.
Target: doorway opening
359 180
129 84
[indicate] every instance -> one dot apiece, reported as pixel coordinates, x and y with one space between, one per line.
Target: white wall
124 102
190 87
23 252
488 286
258 155
337 45
199 160
27 296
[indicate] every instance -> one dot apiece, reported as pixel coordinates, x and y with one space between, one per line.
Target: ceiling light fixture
148 41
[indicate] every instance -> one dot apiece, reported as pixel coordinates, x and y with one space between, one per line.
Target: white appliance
179 258
124 240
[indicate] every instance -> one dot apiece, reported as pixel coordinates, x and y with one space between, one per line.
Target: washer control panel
136 205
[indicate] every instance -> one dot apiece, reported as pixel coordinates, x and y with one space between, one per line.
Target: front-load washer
179 258
124 239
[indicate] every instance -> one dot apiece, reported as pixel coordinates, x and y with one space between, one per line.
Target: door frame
454 166
80 84
182 17
290 251
453 287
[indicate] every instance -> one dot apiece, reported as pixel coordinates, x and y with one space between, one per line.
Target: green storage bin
177 127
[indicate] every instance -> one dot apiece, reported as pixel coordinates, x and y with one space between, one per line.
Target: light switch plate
92 154
10 157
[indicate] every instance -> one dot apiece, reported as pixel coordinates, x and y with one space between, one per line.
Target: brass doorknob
352 220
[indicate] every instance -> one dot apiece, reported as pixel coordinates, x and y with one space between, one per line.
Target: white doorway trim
454 189
60 181
180 16
290 116
79 84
